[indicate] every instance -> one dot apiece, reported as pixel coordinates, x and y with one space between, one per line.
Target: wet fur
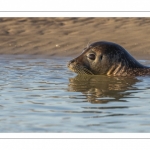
116 61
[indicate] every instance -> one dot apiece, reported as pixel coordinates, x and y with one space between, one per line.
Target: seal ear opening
101 57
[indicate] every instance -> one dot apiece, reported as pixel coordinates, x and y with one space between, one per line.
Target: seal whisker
87 71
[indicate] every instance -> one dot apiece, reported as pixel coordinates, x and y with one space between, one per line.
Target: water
42 95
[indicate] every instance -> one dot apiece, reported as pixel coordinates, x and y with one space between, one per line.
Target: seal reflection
103 89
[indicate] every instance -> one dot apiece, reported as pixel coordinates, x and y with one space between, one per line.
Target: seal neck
122 70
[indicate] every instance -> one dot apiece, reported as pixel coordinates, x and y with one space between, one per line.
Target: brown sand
68 36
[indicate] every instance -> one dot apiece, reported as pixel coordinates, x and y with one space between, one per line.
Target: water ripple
42 95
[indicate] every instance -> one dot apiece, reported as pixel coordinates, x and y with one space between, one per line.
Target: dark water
42 95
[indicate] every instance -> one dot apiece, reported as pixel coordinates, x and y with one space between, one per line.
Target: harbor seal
107 58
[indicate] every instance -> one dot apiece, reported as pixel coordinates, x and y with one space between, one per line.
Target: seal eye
91 56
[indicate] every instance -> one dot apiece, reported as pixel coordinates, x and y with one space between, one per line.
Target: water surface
41 95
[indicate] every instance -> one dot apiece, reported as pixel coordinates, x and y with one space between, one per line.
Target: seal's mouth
81 70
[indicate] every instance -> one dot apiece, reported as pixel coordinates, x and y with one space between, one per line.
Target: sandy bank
68 36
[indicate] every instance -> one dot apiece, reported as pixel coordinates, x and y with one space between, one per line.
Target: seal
107 58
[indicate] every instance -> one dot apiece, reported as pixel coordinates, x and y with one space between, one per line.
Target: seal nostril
71 61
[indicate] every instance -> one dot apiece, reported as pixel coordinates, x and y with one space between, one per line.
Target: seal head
107 58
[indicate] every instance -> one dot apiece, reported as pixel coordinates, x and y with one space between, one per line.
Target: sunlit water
42 95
